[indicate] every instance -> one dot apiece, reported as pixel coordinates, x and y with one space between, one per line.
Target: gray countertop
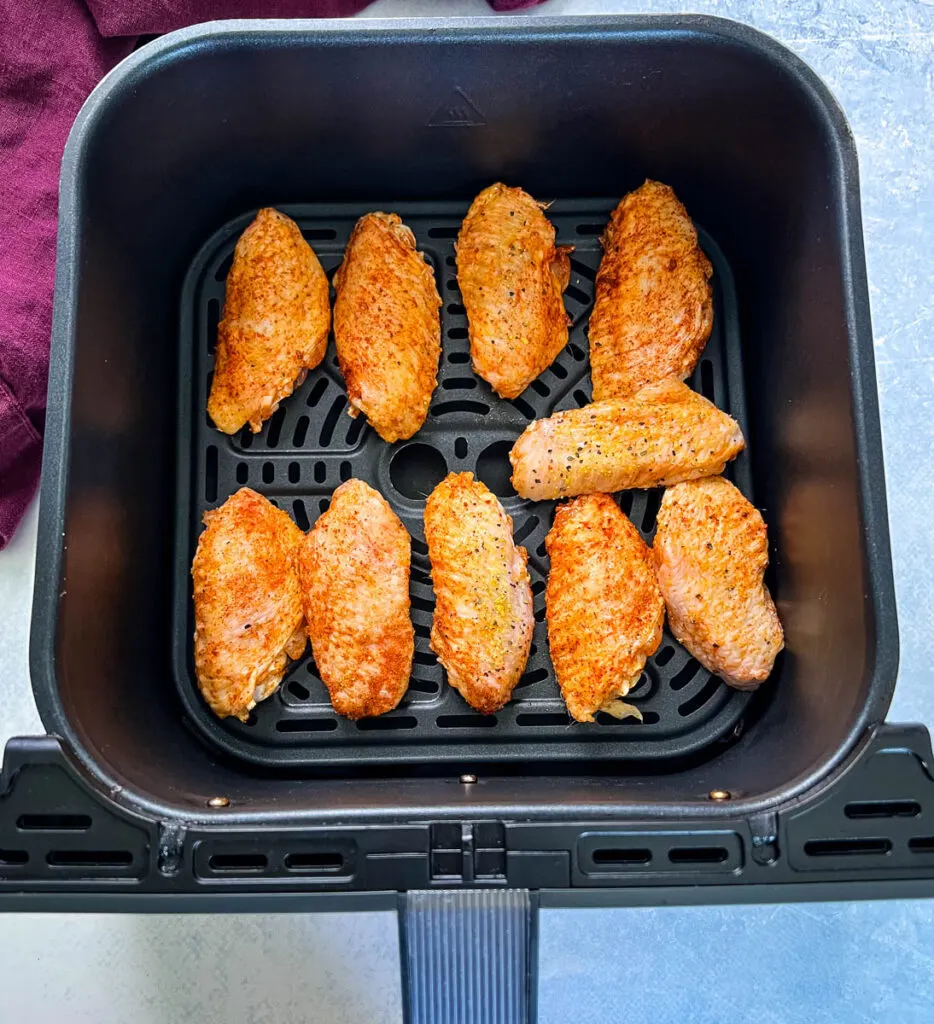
871 961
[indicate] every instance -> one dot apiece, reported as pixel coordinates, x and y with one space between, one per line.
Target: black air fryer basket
138 798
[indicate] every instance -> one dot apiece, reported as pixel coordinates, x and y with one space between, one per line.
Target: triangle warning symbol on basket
456 112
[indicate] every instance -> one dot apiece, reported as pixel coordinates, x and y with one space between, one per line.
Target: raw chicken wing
711 552
663 434
355 592
248 608
653 307
275 323
511 278
387 326
605 613
482 628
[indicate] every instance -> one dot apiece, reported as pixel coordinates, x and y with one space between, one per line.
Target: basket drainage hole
494 470
416 470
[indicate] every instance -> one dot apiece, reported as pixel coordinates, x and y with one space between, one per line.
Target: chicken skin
275 323
482 628
354 567
711 552
653 306
248 608
604 609
387 326
511 278
663 434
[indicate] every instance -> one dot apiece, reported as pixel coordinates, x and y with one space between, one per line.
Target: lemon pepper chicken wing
482 628
354 568
248 613
653 306
711 551
275 323
661 435
387 327
511 278
604 609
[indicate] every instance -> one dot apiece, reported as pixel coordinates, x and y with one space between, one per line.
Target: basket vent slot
882 809
238 863
306 725
54 822
316 862
90 858
698 855
847 847
622 856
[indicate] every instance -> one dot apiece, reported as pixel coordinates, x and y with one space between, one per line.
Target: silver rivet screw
720 794
218 801
468 779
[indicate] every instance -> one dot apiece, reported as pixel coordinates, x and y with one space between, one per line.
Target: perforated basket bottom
311 444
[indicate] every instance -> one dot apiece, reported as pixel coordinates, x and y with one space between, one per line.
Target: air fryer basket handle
468 956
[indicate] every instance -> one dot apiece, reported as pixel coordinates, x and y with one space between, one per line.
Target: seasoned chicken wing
354 568
248 608
387 326
482 628
275 323
511 278
605 613
653 306
663 434
711 552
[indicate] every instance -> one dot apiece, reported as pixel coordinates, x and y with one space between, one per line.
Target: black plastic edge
866 833
375 32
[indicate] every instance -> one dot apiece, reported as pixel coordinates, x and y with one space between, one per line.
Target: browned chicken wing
387 326
248 609
275 323
511 278
605 613
482 628
653 306
355 592
663 434
711 552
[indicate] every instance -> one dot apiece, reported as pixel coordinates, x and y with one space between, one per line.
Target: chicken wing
354 568
248 607
653 306
511 278
275 323
711 552
663 434
387 326
482 628
604 609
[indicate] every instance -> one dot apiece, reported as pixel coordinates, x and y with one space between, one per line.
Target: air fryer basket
138 793
310 445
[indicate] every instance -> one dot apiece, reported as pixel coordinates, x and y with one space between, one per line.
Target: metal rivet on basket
467 779
720 794
218 801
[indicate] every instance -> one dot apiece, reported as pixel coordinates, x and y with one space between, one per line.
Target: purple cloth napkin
52 52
